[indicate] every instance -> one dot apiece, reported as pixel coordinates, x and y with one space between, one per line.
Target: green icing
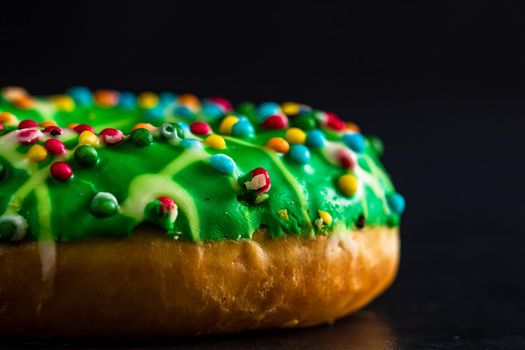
210 204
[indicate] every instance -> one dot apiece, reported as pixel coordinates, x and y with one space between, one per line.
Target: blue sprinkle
212 110
316 139
165 98
154 115
222 163
81 95
299 154
396 202
355 141
243 128
127 100
266 109
184 113
185 126
190 143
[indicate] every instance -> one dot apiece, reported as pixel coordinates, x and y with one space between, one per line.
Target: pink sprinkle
28 136
28 123
225 105
79 129
345 158
111 136
61 171
276 121
200 128
55 147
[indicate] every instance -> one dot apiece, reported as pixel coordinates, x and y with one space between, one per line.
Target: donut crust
148 285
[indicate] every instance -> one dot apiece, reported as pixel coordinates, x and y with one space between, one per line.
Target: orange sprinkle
278 144
47 123
146 126
72 126
352 127
106 98
23 102
14 92
188 100
8 118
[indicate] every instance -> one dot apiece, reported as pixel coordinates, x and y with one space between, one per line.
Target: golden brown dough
148 285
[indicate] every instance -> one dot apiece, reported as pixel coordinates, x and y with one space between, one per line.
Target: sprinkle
243 128
278 144
127 100
28 136
355 141
141 137
346 158
106 98
86 155
148 100
259 181
146 126
290 108
225 105
27 123
215 142
55 147
325 216
184 112
8 118
64 103
72 125
172 131
212 110
222 163
200 128
334 122
266 109
190 143
377 145
81 95
47 123
12 228
37 153
305 121
347 184
316 139
111 136
227 124
103 205
352 127
168 208
24 102
275 122
295 136
299 154
61 171
396 202
53 130
166 98
154 114
80 128
248 109
188 100
88 138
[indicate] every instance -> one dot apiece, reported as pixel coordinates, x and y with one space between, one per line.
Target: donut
145 215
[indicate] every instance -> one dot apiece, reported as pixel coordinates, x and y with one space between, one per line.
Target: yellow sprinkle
290 108
8 118
278 144
148 100
47 123
37 153
215 141
295 136
88 138
325 216
347 184
188 100
64 103
146 126
227 124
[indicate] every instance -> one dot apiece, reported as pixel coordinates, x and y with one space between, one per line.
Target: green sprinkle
86 155
141 137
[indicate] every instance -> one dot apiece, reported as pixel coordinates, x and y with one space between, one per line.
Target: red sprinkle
200 128
268 183
28 123
79 129
334 122
166 205
222 102
61 171
53 130
345 158
276 121
55 147
28 136
111 136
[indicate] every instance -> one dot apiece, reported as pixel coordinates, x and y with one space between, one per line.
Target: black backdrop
442 83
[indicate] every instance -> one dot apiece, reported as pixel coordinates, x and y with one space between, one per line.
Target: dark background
442 83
